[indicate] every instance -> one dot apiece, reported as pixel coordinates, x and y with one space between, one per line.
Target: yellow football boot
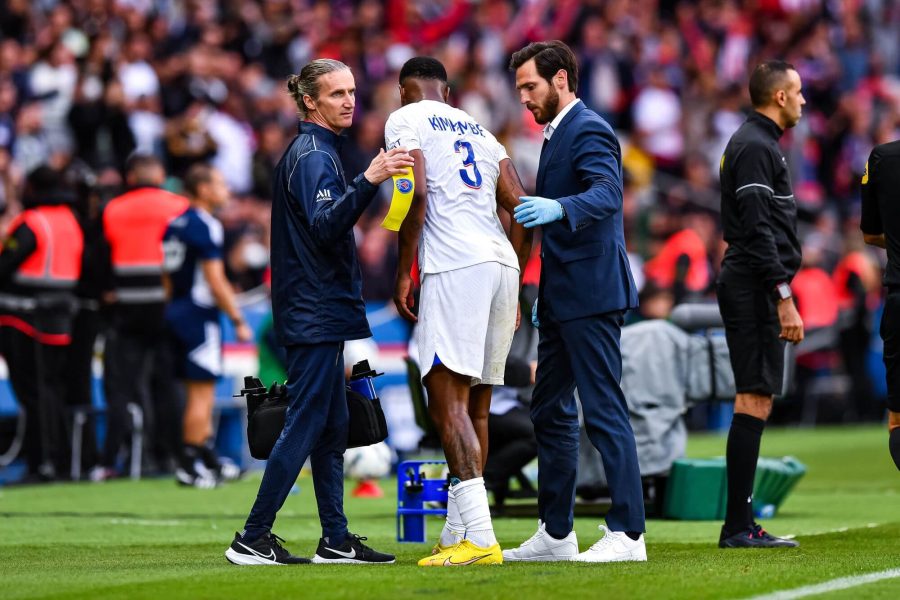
438 548
464 553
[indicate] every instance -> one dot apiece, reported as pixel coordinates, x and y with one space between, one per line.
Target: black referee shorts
751 331
890 333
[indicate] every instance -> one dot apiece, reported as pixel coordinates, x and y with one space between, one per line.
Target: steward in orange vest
134 224
137 354
39 268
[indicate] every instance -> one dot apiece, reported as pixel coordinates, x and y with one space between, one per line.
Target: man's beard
548 108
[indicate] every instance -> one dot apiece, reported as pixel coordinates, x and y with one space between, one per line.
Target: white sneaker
614 546
229 471
542 547
198 480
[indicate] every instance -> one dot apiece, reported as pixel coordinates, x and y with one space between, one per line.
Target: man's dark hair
549 58
139 160
42 185
196 176
423 67
765 80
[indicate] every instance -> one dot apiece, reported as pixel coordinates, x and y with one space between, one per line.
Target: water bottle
361 379
766 511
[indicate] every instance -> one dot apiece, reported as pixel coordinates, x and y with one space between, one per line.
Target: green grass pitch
151 539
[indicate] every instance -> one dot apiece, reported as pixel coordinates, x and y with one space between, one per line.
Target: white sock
454 530
472 500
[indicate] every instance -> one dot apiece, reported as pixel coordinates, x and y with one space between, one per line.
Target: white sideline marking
145 522
792 536
842 583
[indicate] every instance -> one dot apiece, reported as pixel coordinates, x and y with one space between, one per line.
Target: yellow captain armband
404 186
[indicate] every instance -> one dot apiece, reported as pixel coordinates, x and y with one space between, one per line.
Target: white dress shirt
554 124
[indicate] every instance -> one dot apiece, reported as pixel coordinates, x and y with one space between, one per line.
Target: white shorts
467 318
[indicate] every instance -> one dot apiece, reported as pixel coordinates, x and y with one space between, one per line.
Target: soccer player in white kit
471 275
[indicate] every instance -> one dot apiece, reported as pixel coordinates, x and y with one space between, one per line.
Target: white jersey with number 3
462 165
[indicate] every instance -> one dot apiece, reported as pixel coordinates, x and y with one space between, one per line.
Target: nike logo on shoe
270 556
351 554
450 563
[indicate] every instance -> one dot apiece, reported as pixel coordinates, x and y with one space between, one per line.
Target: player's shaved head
423 78
423 67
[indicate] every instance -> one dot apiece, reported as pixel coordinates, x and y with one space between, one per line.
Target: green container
775 479
697 487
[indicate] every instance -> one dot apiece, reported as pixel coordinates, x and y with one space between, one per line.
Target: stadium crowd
204 81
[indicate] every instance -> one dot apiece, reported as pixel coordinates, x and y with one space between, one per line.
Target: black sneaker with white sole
754 537
267 550
351 552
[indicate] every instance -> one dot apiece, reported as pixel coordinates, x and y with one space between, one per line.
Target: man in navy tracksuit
317 305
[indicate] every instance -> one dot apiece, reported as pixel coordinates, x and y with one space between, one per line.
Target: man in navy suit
586 286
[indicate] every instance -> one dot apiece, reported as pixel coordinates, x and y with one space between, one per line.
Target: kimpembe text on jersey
460 127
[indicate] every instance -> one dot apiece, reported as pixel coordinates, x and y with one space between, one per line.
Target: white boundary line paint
842 583
146 522
792 536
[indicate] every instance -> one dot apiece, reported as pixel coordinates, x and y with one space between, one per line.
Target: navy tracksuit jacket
317 305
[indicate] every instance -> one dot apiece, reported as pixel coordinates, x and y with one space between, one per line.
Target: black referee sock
894 445
741 453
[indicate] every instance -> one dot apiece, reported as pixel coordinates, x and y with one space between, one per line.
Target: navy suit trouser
584 353
315 427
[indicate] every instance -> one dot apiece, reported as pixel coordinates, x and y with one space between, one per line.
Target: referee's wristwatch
783 291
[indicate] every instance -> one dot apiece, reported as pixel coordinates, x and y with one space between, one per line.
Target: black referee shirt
759 214
881 204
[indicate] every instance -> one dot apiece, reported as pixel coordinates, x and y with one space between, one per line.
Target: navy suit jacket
584 269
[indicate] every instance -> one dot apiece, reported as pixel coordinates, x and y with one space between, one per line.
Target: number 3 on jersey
468 161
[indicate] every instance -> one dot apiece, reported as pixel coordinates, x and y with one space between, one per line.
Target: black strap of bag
267 410
367 422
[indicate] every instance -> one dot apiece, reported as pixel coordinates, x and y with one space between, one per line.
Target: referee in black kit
881 227
759 218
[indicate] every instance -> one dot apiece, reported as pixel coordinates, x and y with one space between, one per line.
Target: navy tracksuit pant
316 427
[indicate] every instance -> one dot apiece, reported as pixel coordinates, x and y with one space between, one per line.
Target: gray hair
307 82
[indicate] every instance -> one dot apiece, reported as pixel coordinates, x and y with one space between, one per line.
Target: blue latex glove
534 317
535 211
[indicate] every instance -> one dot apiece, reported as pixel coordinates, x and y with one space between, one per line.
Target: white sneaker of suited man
614 546
542 547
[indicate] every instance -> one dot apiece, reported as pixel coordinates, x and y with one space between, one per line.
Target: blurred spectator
188 140
8 184
9 100
657 121
32 144
138 78
234 142
858 288
270 146
814 292
52 83
99 123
